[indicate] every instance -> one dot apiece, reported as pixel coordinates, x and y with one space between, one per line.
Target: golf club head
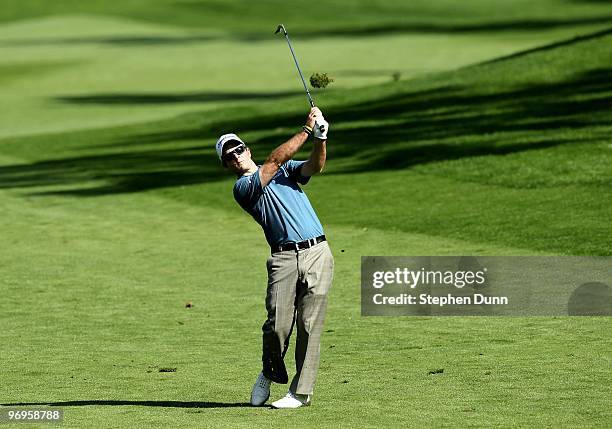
279 28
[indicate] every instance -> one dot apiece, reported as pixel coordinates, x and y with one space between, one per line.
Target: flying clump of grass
320 80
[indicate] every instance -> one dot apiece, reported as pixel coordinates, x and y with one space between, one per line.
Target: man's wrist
307 129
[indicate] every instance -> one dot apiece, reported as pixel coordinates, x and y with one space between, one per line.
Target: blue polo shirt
281 208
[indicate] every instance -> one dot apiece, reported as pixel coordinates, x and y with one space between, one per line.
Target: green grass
116 213
336 17
85 64
104 311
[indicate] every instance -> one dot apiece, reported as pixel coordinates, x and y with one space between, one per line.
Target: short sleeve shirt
281 208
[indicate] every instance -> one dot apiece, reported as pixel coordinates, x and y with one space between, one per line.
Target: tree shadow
591 1
514 25
393 132
390 28
161 98
584 38
136 41
164 404
121 172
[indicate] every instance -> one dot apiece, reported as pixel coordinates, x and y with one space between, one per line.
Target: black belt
306 244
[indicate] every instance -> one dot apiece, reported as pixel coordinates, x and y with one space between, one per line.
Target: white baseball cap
224 139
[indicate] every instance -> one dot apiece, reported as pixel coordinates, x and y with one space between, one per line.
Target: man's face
236 157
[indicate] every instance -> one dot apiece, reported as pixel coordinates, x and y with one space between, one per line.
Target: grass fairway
115 212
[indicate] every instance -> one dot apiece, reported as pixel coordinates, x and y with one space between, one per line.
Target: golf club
282 27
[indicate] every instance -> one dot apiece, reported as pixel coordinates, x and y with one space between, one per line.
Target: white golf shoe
261 390
292 400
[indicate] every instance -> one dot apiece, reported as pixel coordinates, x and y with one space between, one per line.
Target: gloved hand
320 128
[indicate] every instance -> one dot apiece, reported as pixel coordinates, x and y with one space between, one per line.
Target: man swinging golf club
300 268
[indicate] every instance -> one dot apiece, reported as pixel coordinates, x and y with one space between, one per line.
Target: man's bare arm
280 155
285 152
316 160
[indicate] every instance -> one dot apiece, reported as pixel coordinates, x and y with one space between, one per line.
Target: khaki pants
298 283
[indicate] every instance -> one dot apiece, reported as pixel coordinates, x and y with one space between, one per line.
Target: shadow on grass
450 28
161 98
550 46
394 132
390 28
165 404
122 172
123 41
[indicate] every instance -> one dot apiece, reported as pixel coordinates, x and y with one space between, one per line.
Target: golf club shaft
298 68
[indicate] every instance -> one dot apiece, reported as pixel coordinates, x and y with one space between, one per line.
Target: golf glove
320 128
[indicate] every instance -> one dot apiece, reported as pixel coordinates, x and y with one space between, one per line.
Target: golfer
300 268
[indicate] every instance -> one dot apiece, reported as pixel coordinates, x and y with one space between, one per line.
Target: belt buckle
292 245
309 243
